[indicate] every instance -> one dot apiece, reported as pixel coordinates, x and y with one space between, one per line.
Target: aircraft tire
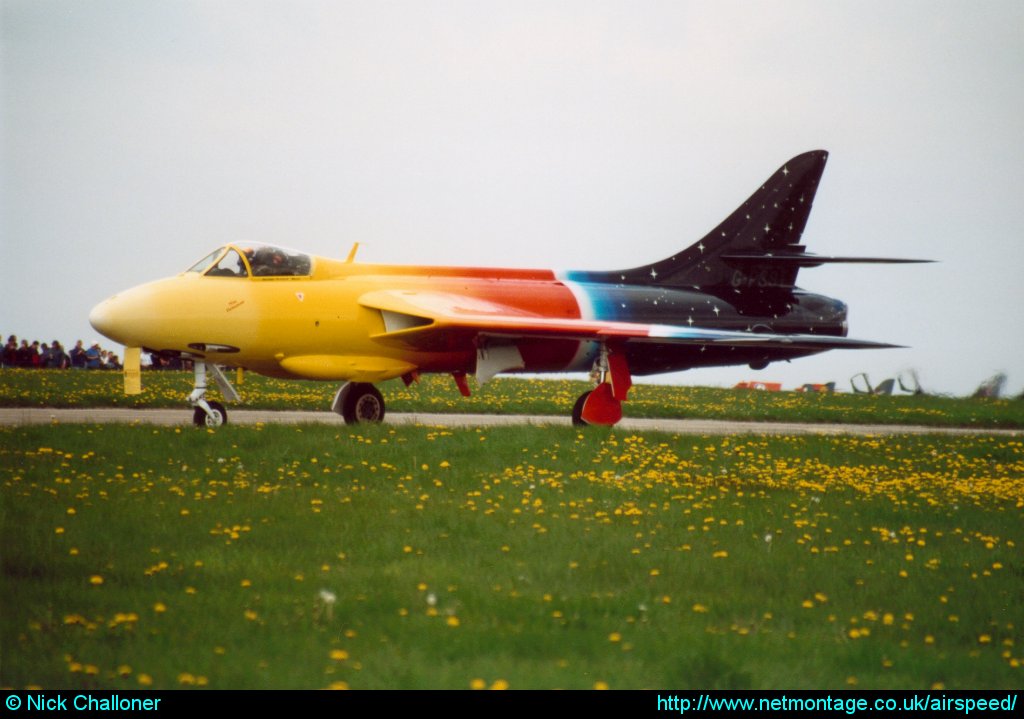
362 403
577 410
218 418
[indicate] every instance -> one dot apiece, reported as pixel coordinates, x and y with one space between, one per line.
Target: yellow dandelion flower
600 685
339 655
614 637
96 580
499 684
453 621
477 684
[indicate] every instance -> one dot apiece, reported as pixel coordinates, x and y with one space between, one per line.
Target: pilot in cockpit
268 261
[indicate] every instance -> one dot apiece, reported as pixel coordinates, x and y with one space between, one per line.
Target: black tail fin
752 258
757 246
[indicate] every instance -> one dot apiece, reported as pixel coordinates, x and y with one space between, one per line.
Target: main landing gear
359 402
603 404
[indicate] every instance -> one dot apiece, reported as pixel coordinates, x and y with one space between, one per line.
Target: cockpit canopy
253 260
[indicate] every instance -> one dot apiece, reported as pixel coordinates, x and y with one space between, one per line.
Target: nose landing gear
209 413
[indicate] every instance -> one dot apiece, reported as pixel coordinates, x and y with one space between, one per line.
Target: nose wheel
214 416
208 413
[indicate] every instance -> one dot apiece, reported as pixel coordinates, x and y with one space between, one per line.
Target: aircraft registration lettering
765 277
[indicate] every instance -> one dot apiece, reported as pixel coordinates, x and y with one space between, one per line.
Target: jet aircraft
730 298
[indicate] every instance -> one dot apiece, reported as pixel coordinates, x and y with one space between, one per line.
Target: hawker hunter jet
729 299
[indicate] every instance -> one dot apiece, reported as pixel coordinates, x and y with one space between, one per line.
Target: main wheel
217 417
577 410
362 403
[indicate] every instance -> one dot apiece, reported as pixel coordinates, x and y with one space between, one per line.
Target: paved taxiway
165 417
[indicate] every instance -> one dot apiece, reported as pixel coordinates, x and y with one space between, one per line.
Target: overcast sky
138 135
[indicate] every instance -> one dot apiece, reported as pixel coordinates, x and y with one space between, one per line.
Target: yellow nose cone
104 318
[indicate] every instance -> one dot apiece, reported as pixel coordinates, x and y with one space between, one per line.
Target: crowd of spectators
33 355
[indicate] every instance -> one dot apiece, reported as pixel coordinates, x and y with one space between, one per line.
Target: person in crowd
24 357
78 356
10 355
54 357
93 358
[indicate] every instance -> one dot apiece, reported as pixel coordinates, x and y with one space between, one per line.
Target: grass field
520 557
508 395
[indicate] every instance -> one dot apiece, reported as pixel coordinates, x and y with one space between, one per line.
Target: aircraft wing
430 320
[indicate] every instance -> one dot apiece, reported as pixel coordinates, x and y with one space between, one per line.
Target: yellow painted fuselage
318 326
